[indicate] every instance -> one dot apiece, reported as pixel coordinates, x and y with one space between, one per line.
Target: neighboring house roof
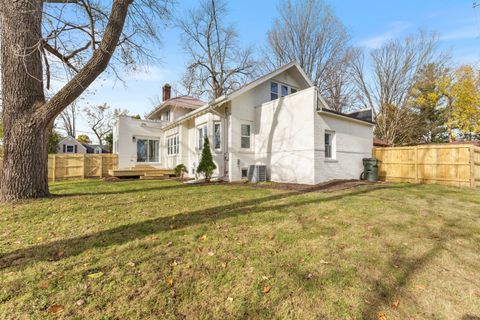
243 89
70 140
91 148
474 142
186 102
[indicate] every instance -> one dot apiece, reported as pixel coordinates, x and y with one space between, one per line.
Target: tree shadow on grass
383 294
122 234
120 191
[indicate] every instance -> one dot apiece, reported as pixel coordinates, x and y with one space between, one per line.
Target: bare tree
81 35
309 32
67 120
387 85
101 119
217 64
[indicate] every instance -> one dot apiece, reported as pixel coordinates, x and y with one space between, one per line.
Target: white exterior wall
243 111
284 137
123 144
353 142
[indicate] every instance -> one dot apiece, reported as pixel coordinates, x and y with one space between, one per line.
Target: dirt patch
332 185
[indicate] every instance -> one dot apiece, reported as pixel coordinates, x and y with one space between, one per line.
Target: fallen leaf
265 277
325 262
395 304
418 286
271 237
224 264
60 254
203 238
381 316
95 275
174 263
172 226
131 264
56 308
309 276
43 284
211 253
80 302
169 244
266 289
170 282
230 299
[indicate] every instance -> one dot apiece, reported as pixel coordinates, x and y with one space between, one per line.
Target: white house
278 120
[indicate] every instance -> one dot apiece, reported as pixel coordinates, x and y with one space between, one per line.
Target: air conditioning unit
257 173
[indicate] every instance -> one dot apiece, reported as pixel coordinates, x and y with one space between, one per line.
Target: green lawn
165 250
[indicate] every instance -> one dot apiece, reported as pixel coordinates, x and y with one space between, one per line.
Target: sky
369 22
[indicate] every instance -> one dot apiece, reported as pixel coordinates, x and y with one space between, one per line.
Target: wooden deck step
151 172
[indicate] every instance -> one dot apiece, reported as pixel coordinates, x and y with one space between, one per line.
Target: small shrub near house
180 170
206 165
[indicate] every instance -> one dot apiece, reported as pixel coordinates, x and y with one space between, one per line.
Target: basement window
244 173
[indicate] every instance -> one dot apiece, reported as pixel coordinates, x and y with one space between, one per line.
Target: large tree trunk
27 117
24 173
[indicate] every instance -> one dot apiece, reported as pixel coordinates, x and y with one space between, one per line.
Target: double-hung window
245 136
273 90
202 132
173 145
217 135
281 90
329 145
166 115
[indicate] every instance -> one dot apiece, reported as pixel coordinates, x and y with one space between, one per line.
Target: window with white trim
273 90
166 115
173 145
329 144
202 132
217 134
245 135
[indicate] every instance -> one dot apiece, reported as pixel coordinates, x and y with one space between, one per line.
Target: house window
202 132
245 136
273 90
147 150
293 90
70 149
166 115
217 135
173 145
329 144
284 90
244 173
98 150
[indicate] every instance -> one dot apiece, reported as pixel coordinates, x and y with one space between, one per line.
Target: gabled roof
186 102
243 89
91 148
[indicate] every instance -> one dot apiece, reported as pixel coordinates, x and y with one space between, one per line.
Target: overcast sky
370 23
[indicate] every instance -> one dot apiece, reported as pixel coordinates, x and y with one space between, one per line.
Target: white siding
123 144
353 142
284 137
243 112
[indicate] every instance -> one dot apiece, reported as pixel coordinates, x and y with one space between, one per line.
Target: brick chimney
167 91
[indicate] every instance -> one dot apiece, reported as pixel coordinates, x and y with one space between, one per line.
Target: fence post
416 164
101 165
54 169
472 166
83 166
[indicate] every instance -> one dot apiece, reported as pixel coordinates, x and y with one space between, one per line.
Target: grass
164 250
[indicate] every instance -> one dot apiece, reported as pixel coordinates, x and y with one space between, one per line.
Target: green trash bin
370 172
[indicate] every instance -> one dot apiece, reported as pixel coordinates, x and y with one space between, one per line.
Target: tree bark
27 117
24 173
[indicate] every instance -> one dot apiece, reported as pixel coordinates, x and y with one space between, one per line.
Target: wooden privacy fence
455 165
80 166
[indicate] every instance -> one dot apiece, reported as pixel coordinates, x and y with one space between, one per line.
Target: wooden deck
143 172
